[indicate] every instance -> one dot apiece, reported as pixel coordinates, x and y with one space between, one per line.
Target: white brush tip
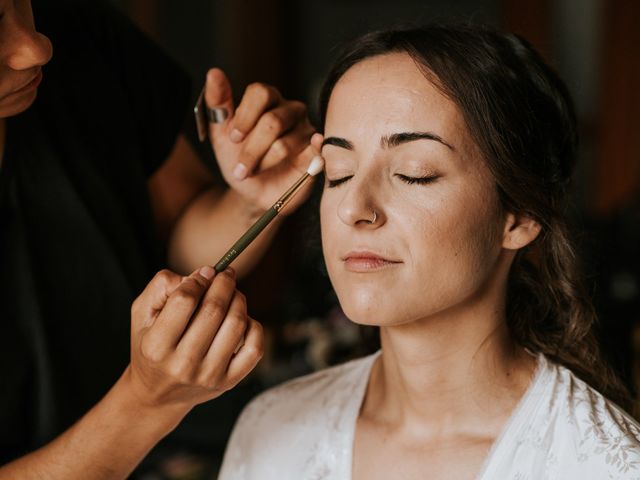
316 165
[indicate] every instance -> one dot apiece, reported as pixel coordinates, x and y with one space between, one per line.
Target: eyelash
417 180
404 178
336 182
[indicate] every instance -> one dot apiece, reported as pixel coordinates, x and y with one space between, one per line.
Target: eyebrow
397 139
390 141
337 142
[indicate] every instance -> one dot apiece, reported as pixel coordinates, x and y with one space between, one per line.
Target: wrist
130 404
244 207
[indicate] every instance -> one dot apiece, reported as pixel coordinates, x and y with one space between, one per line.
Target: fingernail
207 272
230 271
240 172
236 135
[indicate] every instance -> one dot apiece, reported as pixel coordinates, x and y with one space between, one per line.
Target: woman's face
23 51
396 146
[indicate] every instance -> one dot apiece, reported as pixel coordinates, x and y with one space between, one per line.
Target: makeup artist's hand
263 146
184 332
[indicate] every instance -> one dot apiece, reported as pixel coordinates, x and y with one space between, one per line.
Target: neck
457 371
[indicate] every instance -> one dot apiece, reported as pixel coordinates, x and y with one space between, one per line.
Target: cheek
329 233
449 243
461 243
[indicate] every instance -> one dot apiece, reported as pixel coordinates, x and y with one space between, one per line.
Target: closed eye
337 181
417 180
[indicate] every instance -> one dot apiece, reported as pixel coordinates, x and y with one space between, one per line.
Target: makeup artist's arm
178 359
272 151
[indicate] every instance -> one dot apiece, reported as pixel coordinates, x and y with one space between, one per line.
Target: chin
359 306
17 105
365 299
381 316
385 307
366 307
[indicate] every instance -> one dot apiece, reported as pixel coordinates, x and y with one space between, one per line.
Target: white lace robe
562 429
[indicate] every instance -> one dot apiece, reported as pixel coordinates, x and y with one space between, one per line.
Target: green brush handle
244 241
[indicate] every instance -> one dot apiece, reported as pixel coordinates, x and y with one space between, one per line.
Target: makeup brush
315 167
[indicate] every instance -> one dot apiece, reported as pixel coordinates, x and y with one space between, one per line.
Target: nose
27 48
360 206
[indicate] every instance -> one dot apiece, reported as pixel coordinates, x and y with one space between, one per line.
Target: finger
229 335
303 159
258 98
271 126
249 355
287 146
316 142
153 298
176 314
300 164
207 319
218 94
287 173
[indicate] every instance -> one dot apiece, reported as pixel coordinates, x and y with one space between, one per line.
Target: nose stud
375 217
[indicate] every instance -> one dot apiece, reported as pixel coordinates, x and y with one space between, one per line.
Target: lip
362 261
30 85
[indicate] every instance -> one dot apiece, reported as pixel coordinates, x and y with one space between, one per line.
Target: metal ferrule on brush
289 194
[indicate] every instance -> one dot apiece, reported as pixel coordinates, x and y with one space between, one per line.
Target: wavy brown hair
521 116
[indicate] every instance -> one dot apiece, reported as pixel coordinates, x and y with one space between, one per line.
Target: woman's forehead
392 71
387 94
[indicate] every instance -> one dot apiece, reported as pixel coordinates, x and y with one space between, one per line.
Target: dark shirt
77 238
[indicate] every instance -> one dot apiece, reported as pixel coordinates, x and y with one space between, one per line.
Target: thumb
218 94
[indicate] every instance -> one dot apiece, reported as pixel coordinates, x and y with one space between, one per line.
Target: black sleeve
152 90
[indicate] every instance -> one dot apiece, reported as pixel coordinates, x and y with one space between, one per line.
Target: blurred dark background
290 44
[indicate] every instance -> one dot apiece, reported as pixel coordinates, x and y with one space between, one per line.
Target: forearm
210 225
107 443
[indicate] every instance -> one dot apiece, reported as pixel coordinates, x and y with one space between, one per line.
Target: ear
519 231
